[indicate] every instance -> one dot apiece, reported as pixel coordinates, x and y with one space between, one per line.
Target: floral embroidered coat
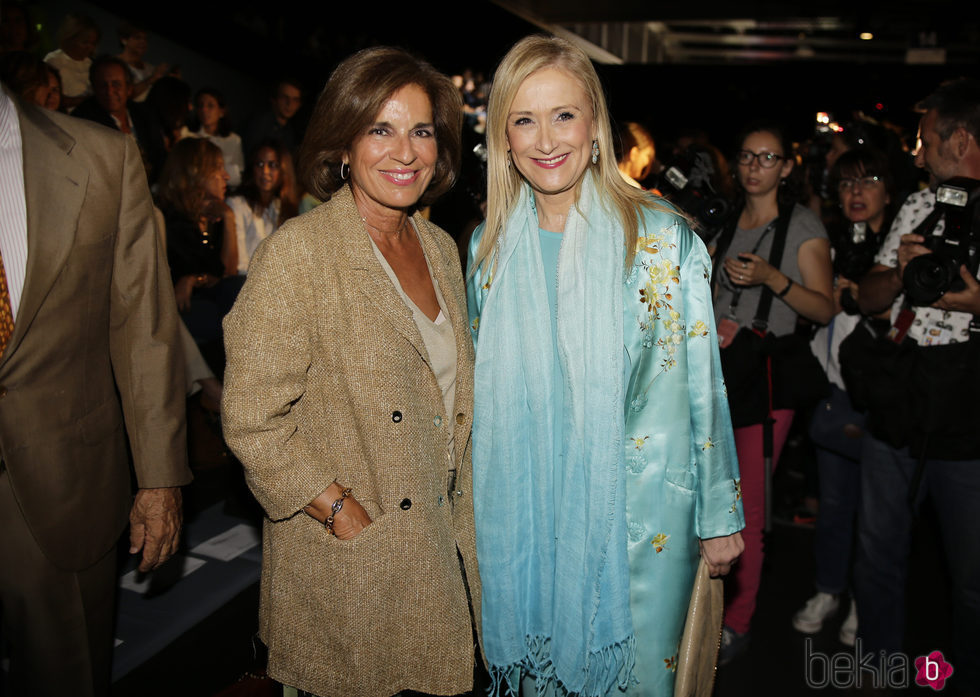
682 475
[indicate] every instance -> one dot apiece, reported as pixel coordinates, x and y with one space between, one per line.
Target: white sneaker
810 619
848 630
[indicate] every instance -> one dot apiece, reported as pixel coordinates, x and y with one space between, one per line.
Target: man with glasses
924 430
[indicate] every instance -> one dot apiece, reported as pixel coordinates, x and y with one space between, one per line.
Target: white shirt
931 325
13 201
251 228
74 74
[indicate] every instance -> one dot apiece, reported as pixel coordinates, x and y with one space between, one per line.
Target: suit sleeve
144 342
719 508
268 348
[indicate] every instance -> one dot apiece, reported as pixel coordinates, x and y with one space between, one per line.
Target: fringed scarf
552 544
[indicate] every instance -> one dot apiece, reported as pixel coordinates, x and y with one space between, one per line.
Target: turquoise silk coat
682 480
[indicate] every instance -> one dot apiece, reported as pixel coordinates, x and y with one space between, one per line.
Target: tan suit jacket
94 354
328 379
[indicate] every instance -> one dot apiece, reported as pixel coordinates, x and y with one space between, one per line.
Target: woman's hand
720 553
183 290
349 521
749 270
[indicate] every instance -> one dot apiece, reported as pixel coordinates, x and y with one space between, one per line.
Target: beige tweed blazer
328 379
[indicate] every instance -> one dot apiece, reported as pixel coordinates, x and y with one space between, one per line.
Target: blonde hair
530 55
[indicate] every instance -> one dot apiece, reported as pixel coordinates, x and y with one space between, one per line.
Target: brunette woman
801 286
201 242
266 200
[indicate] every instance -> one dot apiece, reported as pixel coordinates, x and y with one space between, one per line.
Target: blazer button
460 418
437 421
396 416
3 391
405 504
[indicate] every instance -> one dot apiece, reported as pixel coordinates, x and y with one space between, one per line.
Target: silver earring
344 173
595 151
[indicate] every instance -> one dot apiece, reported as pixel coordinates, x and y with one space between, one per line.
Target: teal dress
681 472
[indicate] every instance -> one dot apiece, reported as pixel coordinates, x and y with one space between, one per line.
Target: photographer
921 385
861 179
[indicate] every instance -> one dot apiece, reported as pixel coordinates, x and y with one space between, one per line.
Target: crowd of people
531 432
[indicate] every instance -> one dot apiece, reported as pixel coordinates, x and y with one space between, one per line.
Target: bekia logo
932 671
845 670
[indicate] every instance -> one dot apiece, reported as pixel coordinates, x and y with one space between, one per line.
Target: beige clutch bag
701 638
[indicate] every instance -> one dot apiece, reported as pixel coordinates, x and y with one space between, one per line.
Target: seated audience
266 200
132 37
214 124
110 106
201 241
25 75
78 37
279 120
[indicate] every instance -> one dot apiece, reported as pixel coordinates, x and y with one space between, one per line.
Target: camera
855 255
928 276
687 184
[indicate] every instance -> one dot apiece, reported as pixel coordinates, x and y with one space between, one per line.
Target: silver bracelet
335 509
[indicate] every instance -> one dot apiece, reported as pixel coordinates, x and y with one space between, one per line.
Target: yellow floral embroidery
639 442
659 542
699 328
738 495
708 444
475 324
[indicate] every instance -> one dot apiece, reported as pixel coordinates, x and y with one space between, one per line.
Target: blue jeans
884 524
840 490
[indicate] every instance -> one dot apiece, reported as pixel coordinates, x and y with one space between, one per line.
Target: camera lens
926 278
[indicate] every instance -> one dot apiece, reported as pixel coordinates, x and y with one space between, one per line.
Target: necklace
400 228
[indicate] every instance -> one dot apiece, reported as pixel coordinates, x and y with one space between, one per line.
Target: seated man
110 105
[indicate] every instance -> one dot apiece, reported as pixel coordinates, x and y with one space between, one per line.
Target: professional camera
928 276
854 256
687 183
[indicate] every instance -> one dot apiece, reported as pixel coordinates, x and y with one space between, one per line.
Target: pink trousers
742 585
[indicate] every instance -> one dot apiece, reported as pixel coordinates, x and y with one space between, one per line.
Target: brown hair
181 183
355 93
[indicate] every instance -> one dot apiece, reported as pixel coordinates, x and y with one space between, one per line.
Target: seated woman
26 75
213 123
201 242
78 37
266 200
132 38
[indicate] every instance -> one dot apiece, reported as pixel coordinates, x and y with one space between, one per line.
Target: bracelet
784 291
335 509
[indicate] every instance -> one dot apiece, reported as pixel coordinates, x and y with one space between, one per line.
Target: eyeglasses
850 184
767 160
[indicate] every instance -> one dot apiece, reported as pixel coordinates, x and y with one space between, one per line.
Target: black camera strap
761 320
781 227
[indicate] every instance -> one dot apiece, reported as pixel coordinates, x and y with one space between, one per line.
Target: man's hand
910 248
966 300
721 552
154 525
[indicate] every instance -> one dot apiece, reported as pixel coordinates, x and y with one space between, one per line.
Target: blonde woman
602 447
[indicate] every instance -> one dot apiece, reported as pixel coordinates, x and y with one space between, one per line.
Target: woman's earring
595 151
344 173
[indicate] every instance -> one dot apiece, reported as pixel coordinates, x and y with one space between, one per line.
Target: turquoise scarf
552 544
